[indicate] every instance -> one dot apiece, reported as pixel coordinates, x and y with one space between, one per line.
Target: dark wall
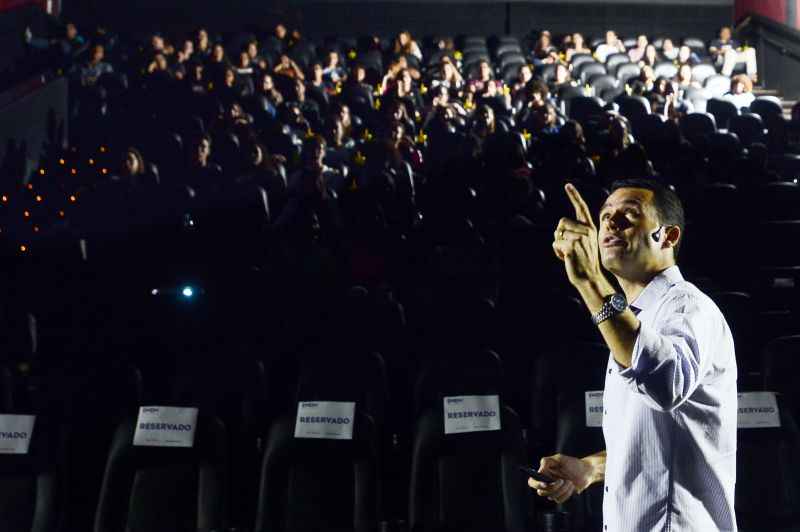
423 18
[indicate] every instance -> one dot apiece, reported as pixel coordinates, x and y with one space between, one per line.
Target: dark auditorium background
312 209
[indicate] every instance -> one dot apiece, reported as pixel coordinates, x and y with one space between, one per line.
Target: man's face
98 53
641 41
684 53
252 50
72 31
627 219
611 38
266 83
725 34
280 31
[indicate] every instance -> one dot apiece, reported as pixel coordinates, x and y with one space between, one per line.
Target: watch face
618 302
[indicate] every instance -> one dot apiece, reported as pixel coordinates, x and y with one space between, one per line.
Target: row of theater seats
247 470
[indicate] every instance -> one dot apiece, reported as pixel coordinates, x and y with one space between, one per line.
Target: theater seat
322 484
161 489
31 485
749 127
768 483
665 69
697 127
779 358
451 473
558 417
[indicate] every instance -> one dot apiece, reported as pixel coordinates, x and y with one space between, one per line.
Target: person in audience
668 50
660 330
404 44
287 67
203 43
685 80
577 46
485 88
650 57
544 53
202 171
636 53
483 122
133 168
332 70
612 45
448 76
394 70
727 53
524 76
741 91
96 67
686 56
562 78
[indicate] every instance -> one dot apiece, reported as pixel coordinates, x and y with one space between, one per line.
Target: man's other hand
572 475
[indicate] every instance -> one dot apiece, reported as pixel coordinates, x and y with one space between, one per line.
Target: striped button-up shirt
670 419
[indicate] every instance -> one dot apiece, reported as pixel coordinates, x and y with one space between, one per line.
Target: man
92 70
726 53
670 402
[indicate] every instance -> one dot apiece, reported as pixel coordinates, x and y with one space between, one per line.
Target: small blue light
187 291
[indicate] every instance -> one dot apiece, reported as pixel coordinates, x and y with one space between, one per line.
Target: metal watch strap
606 311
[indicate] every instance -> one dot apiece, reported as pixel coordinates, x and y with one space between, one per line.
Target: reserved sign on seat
165 426
758 410
471 413
594 408
331 420
15 433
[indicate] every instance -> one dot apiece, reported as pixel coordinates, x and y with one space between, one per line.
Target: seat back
166 489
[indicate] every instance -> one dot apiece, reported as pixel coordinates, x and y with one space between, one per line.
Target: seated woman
685 80
447 76
484 87
544 53
404 44
577 46
741 93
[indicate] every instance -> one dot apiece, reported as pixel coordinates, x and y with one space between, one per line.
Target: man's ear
672 236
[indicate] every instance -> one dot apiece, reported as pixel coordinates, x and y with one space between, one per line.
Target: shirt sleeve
673 353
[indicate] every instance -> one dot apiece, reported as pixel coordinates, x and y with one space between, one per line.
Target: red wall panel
774 9
50 6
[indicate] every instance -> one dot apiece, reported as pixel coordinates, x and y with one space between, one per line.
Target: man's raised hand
575 242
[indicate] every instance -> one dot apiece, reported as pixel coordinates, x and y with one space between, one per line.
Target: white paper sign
15 433
758 410
330 420
471 413
165 426
594 408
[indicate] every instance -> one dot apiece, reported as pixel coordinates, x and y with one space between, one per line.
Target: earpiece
657 233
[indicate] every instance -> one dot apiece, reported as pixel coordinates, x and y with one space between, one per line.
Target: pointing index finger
582 212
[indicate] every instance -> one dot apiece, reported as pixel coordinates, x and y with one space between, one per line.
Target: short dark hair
666 202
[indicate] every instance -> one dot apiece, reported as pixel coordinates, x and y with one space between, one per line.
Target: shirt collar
656 288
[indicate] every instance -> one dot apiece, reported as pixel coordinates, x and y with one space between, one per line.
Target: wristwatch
612 305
